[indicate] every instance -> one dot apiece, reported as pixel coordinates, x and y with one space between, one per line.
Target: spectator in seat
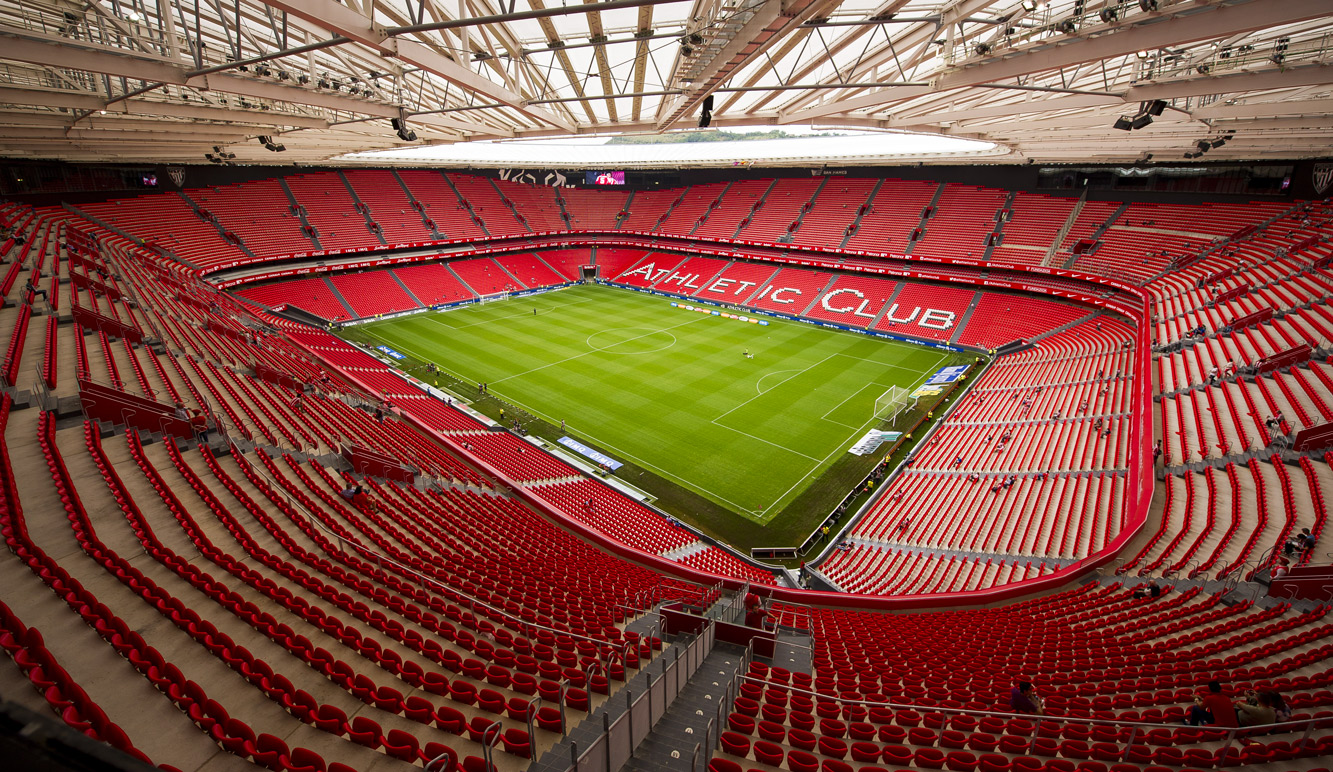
1023 698
1213 708
1256 709
1149 590
1304 541
1281 710
31 291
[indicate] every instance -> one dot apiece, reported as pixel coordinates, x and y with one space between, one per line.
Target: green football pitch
670 390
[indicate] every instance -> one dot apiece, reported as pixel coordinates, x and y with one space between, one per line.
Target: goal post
498 296
892 403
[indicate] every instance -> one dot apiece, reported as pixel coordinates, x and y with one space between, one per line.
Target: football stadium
665 386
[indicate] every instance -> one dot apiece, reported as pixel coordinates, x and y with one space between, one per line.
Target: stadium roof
167 80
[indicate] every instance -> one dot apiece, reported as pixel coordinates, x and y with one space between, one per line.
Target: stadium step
517 214
671 745
1049 560
222 231
967 315
363 208
1097 234
463 203
406 289
808 207
925 218
306 227
713 205
888 304
351 313
861 212
517 282
1064 327
1064 230
757 206
695 662
997 234
793 650
454 273
425 218
680 553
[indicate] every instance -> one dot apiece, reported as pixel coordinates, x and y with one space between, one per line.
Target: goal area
892 403
498 296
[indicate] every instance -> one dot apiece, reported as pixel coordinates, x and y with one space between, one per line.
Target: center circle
631 340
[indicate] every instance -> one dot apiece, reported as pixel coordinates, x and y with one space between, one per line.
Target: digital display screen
149 180
604 178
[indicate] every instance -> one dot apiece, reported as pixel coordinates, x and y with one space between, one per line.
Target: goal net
890 404
493 298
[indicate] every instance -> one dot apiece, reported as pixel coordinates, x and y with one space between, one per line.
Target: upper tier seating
1033 223
170 223
452 219
835 209
536 203
389 205
332 211
785 201
260 213
596 209
892 215
963 218
484 200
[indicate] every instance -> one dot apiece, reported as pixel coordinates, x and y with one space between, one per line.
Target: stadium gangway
620 736
604 649
1137 729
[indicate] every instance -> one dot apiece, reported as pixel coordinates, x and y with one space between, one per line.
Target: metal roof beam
344 21
1186 23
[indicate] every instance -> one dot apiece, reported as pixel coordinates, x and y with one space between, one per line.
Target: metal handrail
489 737
434 764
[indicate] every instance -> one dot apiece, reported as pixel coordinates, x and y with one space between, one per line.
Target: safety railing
620 736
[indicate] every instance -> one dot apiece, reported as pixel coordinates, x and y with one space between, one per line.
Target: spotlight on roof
1147 6
1220 141
269 144
1156 107
1141 120
1029 5
1067 26
1123 123
983 48
1108 14
404 133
